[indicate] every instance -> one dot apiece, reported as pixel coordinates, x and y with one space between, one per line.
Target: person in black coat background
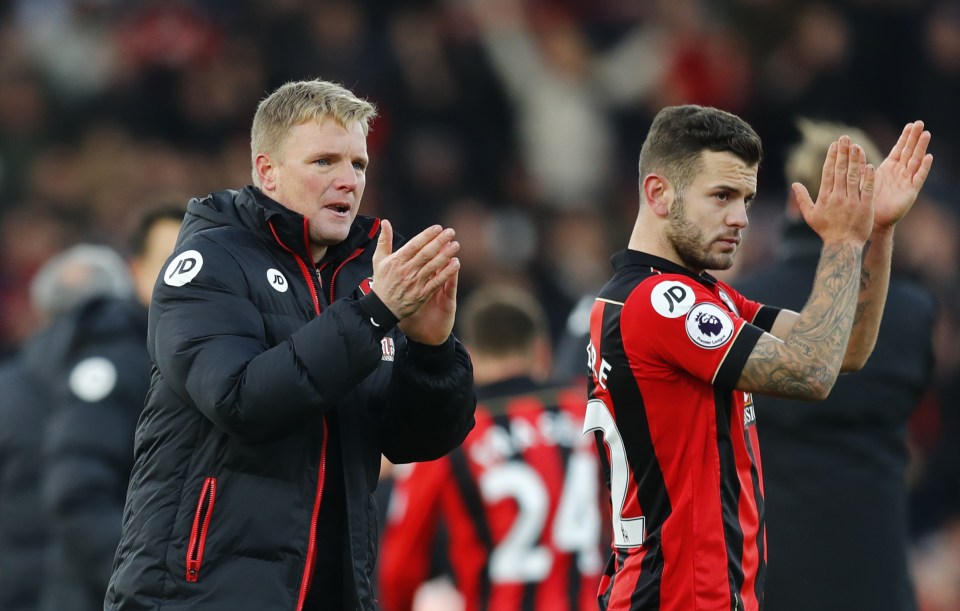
99 374
835 470
76 276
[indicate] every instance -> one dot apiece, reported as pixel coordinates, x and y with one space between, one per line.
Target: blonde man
282 373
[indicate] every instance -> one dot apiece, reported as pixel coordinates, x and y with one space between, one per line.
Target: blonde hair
297 102
805 159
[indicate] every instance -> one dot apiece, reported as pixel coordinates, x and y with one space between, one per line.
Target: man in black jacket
835 470
293 342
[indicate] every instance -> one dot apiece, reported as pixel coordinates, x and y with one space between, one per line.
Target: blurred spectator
98 376
835 471
65 282
102 101
560 95
29 237
519 502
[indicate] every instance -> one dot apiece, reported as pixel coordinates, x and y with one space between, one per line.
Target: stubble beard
688 241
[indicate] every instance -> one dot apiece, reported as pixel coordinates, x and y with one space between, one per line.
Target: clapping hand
418 282
901 175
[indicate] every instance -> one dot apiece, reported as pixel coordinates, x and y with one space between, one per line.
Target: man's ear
267 172
657 193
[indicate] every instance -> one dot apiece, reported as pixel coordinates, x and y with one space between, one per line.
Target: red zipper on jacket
308 276
353 255
201 525
312 545
312 542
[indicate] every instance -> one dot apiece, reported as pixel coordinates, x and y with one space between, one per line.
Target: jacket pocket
201 526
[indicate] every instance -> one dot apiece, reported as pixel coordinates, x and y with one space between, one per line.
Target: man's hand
418 282
901 176
433 322
844 208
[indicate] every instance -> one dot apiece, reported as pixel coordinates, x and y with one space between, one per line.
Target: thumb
384 245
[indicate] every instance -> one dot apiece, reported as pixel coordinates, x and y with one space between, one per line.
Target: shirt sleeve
673 323
756 313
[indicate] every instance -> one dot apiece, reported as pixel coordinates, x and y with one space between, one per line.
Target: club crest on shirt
727 301
708 326
671 298
366 286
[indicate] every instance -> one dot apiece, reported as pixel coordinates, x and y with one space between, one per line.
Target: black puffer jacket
252 358
24 408
100 379
69 408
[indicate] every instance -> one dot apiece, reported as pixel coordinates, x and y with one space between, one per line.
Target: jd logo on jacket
277 280
183 268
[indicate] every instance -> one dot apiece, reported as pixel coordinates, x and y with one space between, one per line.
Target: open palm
901 176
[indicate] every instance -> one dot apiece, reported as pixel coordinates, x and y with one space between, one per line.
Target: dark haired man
675 354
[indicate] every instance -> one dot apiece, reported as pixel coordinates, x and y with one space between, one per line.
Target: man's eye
359 165
723 196
322 162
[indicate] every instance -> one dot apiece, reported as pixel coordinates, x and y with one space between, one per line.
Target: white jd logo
183 268
671 298
277 280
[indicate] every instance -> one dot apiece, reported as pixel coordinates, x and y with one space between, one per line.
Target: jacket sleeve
214 346
432 401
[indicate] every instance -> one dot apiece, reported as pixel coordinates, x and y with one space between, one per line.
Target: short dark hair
502 321
137 242
679 134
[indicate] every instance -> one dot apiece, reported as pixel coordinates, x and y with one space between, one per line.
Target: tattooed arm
806 362
897 185
898 182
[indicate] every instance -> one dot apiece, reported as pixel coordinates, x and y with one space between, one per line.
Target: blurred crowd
517 122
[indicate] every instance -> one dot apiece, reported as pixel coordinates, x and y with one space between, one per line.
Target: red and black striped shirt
677 443
520 502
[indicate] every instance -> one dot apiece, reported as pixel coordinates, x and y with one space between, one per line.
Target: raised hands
418 282
844 210
901 176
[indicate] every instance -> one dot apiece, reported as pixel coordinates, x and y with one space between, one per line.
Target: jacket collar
251 208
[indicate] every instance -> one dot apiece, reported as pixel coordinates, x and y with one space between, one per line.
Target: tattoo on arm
807 363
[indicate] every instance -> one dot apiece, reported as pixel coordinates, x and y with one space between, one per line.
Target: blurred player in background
517 506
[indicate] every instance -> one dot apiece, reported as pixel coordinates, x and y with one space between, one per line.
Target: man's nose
346 177
737 216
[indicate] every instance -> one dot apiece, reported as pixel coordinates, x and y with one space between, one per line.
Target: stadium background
518 122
